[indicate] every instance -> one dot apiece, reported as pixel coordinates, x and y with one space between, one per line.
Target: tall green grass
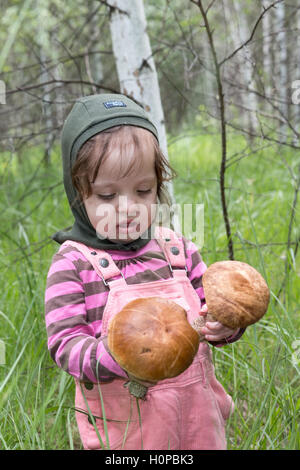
260 371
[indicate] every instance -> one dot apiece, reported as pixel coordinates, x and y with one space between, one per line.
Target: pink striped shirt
75 299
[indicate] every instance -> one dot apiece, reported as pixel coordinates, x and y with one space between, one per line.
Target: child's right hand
214 330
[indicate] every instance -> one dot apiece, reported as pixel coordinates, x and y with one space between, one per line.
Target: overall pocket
224 401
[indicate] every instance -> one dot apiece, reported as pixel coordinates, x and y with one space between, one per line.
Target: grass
260 371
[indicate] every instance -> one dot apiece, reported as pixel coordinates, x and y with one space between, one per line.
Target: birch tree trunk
232 71
235 41
297 77
93 65
282 68
46 106
59 96
267 50
247 65
48 73
136 67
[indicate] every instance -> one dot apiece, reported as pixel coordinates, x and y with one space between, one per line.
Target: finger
214 326
213 337
222 334
203 310
218 328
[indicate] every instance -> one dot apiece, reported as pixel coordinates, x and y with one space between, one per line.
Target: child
114 174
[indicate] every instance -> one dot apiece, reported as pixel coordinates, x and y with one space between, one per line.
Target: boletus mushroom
151 339
236 294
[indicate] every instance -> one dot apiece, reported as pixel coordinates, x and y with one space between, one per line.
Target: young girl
114 174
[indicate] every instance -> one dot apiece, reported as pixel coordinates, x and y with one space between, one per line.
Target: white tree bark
297 77
59 96
282 67
52 104
231 13
135 65
44 42
247 64
94 65
267 48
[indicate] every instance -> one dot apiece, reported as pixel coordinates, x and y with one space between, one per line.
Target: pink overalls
182 413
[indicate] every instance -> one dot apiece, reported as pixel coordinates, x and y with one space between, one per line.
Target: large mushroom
236 294
151 339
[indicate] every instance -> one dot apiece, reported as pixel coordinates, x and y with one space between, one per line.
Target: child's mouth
128 227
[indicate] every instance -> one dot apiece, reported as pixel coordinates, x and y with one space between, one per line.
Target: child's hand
214 330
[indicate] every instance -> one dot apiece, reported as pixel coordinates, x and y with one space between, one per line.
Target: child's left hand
215 331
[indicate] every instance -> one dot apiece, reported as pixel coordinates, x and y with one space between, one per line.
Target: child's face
121 208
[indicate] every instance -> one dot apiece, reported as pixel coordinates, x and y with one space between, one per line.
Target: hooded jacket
89 116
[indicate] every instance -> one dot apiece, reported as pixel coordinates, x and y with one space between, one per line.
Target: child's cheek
105 220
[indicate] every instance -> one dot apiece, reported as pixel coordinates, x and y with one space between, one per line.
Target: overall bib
182 413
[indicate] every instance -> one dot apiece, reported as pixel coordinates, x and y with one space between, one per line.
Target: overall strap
101 261
172 247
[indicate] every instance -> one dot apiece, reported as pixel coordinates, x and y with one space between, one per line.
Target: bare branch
209 6
252 33
66 82
223 129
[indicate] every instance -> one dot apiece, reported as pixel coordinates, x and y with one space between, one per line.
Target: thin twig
252 33
223 128
66 82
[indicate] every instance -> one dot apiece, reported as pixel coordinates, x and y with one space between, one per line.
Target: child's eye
111 196
144 191
105 196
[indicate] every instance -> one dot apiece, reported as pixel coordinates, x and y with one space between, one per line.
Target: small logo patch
114 104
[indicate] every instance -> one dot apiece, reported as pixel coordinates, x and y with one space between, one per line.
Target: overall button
90 419
174 250
104 262
89 385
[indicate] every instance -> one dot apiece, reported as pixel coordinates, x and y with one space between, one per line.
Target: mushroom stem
136 389
199 322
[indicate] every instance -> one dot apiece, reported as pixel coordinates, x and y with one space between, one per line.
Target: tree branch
66 82
252 33
223 128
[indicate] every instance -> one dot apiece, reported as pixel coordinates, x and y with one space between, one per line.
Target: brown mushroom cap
152 339
236 294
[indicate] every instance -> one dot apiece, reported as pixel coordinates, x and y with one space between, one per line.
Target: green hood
89 116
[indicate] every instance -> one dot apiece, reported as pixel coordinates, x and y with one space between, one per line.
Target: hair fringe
86 164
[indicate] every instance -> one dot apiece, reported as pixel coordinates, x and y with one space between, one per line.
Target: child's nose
126 203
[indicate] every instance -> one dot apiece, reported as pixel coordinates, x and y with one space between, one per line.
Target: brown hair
86 167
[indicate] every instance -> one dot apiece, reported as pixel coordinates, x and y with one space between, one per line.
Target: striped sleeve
71 338
196 268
